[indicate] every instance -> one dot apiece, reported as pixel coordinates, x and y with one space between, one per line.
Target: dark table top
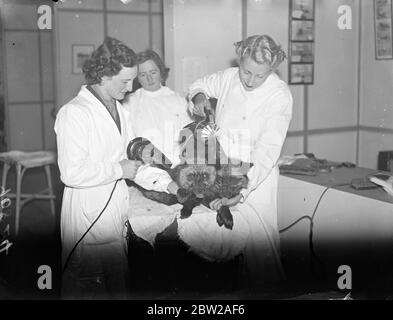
339 176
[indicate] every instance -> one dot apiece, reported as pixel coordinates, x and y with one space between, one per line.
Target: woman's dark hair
152 55
108 60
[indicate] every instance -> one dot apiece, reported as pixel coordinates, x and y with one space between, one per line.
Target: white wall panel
377 77
22 69
20 16
200 28
47 66
334 146
333 96
292 145
75 28
158 34
132 29
25 127
371 143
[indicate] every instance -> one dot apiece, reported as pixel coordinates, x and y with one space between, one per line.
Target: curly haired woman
253 113
92 136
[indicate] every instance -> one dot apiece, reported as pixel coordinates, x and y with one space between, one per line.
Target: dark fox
200 179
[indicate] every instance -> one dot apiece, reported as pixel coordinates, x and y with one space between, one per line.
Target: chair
23 161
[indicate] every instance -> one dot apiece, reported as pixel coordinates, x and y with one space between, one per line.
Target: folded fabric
288 160
387 185
149 218
307 166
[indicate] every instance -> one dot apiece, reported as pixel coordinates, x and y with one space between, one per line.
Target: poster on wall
80 52
383 29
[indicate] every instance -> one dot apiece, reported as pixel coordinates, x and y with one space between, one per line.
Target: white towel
149 218
200 231
210 241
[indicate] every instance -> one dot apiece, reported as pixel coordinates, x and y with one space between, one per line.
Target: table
351 227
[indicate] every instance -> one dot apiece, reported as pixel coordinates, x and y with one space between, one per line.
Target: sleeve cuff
244 192
191 95
164 180
118 171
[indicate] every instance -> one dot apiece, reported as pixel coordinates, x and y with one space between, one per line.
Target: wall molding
30 102
26 30
307 133
303 133
108 11
376 129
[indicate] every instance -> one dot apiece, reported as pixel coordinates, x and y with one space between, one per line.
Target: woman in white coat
253 113
157 113
92 135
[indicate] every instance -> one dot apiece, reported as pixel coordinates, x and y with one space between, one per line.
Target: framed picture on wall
301 52
302 30
80 52
302 9
301 73
383 29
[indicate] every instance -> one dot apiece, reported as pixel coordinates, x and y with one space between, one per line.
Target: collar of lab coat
271 79
160 92
91 99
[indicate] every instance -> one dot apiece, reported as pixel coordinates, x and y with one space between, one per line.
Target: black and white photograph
80 53
209 153
302 9
301 52
301 73
302 30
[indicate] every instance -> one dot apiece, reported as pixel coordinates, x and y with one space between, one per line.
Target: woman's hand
218 203
172 187
200 103
129 167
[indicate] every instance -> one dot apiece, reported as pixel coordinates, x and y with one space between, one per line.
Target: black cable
313 256
91 226
292 224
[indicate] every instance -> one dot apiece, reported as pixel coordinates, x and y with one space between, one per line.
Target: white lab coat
159 116
253 127
90 148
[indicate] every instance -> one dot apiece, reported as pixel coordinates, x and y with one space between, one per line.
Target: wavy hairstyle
262 49
152 55
108 60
